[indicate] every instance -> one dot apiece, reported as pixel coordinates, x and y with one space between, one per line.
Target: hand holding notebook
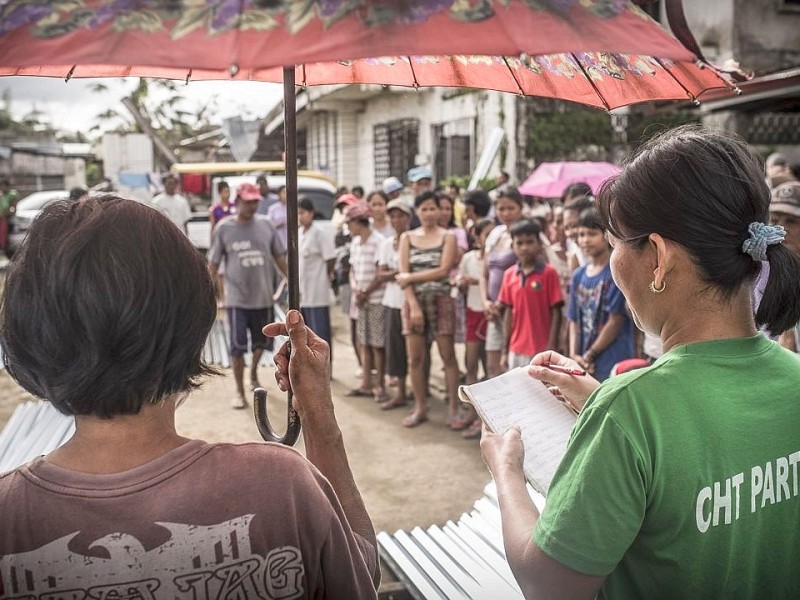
516 399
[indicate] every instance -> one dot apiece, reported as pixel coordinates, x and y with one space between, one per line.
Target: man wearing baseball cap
784 210
251 248
421 180
778 171
392 187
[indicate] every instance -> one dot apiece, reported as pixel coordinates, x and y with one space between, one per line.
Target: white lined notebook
515 398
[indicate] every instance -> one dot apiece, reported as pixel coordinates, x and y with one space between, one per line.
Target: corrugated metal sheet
460 560
35 428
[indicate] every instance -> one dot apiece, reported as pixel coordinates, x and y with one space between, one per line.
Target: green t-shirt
681 480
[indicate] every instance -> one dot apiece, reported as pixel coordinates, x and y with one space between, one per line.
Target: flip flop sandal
359 393
380 396
459 422
414 419
394 403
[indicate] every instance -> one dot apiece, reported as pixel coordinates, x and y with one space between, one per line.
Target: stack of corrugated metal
464 559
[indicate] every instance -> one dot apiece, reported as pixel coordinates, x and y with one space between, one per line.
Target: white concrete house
361 134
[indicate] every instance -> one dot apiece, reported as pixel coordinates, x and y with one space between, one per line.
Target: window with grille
454 148
395 145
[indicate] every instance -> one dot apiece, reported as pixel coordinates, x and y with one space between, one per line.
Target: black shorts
242 320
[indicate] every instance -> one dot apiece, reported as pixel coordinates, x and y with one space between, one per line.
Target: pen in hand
567 370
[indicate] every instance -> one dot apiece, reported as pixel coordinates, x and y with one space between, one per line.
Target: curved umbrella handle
293 280
262 420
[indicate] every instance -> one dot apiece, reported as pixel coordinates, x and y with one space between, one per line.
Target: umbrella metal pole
290 139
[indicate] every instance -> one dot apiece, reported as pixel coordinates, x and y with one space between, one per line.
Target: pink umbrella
549 179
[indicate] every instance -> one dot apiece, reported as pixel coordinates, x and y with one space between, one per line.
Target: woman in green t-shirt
680 479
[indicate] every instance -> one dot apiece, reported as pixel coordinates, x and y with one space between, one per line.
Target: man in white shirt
317 256
172 204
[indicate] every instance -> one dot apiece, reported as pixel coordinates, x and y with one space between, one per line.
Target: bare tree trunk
161 146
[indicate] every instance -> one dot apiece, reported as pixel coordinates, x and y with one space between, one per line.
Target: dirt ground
422 476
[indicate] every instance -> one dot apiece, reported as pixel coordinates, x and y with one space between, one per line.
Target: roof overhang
774 87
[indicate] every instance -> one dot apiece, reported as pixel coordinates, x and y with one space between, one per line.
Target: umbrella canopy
549 179
601 80
224 37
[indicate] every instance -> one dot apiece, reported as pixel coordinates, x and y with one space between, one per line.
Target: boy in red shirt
531 297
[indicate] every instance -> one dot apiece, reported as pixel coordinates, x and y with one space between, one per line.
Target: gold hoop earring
656 290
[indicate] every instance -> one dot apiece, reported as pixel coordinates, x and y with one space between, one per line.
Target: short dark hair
479 200
357 189
702 189
576 190
262 178
425 196
106 306
511 193
525 227
591 219
221 185
170 177
480 225
579 205
77 193
380 193
306 204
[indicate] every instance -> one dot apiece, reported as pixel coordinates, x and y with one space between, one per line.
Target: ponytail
780 307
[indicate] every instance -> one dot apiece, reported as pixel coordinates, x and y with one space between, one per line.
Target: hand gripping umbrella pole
260 395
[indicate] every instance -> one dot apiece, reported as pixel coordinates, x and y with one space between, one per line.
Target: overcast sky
72 106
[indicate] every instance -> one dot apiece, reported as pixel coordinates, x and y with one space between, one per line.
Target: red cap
359 210
248 191
348 199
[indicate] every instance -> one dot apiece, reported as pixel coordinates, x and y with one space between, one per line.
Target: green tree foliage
563 131
462 181
94 174
556 136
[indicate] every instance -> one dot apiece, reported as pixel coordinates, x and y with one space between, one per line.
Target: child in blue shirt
600 331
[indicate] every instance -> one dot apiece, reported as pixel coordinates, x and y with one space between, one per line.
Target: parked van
318 187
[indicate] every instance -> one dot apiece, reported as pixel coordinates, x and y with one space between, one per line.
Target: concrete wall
767 36
433 106
131 152
759 34
713 27
347 165
74 173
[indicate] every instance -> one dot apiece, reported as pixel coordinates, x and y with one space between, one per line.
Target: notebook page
515 398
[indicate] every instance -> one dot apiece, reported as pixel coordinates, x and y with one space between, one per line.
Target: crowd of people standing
504 276
493 278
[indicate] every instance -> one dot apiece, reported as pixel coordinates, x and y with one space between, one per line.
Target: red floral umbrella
224 36
260 40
